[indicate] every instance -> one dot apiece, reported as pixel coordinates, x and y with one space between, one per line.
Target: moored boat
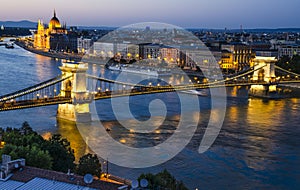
114 67
195 92
9 45
140 70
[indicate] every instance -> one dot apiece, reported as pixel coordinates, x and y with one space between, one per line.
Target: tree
34 156
22 138
25 143
89 163
26 129
163 180
39 158
290 64
61 153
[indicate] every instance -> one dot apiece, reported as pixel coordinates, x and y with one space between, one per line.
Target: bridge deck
13 103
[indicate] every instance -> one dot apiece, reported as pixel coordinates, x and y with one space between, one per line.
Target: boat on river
144 70
9 45
114 67
195 92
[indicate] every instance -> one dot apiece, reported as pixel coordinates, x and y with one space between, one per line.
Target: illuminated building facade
170 55
226 62
236 56
149 50
43 34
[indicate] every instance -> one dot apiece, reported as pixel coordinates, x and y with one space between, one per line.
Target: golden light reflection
295 105
257 107
233 113
157 131
262 118
47 135
69 131
234 91
131 131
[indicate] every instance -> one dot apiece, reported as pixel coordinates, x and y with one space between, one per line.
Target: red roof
28 173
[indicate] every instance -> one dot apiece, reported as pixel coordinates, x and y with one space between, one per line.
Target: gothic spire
54 13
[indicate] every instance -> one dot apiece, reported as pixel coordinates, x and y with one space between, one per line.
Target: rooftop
35 178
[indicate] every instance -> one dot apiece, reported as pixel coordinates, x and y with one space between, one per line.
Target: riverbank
55 55
62 55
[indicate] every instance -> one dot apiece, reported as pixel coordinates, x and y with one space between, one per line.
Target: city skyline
218 14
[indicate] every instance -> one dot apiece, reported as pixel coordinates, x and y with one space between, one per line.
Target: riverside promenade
58 55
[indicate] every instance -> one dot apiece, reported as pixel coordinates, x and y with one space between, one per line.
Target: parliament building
54 37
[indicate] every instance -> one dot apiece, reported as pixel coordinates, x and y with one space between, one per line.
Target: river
257 148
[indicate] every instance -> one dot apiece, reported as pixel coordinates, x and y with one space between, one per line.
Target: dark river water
257 148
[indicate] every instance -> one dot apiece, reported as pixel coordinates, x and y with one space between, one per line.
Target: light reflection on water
258 146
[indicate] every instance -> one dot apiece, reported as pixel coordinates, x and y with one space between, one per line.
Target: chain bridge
69 90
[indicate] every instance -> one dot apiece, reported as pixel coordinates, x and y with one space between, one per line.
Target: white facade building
104 49
289 50
85 45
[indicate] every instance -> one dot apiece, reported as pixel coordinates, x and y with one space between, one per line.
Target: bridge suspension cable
117 82
238 76
290 72
33 88
187 86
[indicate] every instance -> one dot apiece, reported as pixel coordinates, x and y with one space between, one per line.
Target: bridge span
69 90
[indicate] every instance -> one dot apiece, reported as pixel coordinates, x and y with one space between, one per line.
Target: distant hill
97 27
21 24
253 30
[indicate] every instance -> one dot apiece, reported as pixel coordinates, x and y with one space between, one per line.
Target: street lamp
106 175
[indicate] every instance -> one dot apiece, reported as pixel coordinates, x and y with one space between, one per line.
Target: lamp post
107 168
106 172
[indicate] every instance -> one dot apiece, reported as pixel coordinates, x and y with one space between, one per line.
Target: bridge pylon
264 71
75 88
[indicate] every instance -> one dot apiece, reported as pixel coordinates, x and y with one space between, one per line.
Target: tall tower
39 36
264 72
267 71
75 88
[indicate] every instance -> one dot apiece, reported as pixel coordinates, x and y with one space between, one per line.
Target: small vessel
114 67
143 71
195 92
9 45
140 70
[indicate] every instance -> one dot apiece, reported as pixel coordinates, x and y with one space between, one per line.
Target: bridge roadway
140 90
14 100
22 104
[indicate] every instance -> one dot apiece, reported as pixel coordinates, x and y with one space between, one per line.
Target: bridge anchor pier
75 88
72 113
262 90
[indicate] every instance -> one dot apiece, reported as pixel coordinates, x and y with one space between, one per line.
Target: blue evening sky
184 13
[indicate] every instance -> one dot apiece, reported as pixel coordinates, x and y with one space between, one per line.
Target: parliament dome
54 22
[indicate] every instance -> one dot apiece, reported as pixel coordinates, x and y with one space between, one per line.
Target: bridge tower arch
264 71
75 88
267 71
